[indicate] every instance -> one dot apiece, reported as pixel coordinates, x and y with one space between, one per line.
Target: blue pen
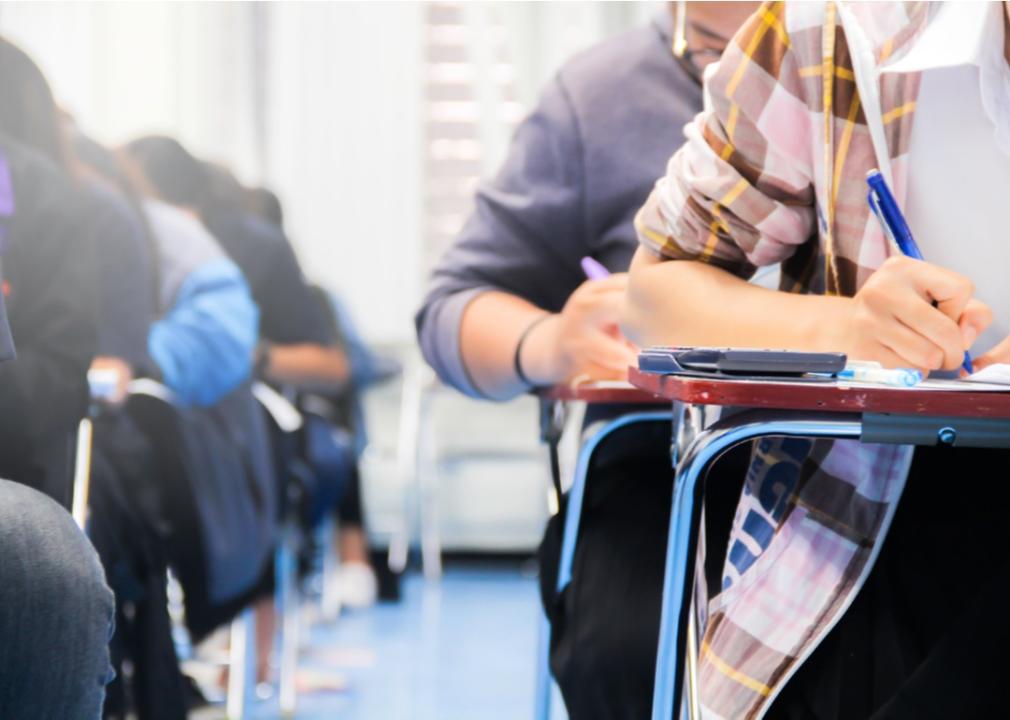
885 207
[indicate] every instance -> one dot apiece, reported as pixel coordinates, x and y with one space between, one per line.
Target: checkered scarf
774 171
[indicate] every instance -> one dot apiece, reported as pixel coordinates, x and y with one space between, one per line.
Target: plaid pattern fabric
774 171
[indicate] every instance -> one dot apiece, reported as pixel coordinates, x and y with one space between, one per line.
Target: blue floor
462 648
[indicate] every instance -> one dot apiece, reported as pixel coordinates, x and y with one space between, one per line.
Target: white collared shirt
958 202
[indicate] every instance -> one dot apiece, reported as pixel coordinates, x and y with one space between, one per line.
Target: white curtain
541 37
325 102
123 69
344 150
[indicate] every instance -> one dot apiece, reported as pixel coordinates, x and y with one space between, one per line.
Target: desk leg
691 665
543 687
702 448
242 666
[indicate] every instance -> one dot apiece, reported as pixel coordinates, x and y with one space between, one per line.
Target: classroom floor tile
463 648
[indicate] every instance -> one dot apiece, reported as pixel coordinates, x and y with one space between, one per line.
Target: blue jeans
56 613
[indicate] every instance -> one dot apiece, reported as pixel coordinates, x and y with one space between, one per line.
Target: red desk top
603 394
822 396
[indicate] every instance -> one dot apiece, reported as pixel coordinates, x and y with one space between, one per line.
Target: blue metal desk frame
697 443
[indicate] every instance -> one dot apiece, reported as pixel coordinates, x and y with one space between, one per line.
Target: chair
413 460
181 434
552 422
288 420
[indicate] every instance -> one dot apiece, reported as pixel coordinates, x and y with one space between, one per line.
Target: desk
603 393
808 410
636 406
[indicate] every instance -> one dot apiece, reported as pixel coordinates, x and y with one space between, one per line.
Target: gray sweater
578 169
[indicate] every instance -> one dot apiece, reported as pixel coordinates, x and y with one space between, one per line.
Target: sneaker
358 586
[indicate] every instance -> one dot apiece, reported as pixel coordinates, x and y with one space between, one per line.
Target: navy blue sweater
577 171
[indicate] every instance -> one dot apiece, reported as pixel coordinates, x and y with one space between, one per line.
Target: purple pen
593 269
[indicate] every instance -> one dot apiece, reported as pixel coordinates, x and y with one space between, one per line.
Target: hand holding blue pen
885 207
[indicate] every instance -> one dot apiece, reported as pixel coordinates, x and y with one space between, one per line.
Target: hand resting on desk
584 339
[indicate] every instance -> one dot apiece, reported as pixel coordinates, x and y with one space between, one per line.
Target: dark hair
112 169
224 191
97 158
28 112
173 173
109 166
266 205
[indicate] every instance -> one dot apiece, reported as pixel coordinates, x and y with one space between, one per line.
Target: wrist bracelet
517 357
261 359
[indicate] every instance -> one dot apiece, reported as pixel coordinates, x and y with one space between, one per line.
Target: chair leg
287 611
542 691
330 596
242 666
691 666
427 492
406 461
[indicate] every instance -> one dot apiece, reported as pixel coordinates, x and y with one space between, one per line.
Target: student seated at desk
508 308
50 288
56 611
838 601
298 348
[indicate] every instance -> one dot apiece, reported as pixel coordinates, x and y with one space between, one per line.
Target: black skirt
928 634
605 626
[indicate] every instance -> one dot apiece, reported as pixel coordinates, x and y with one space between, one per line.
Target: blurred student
304 347
86 228
509 309
838 601
298 348
200 346
344 438
55 608
50 288
296 344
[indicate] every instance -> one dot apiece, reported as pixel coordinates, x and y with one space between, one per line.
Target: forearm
308 366
490 330
694 304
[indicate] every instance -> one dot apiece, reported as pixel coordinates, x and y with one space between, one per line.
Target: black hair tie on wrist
516 358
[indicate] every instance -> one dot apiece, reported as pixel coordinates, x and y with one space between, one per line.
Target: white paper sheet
995 378
998 374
